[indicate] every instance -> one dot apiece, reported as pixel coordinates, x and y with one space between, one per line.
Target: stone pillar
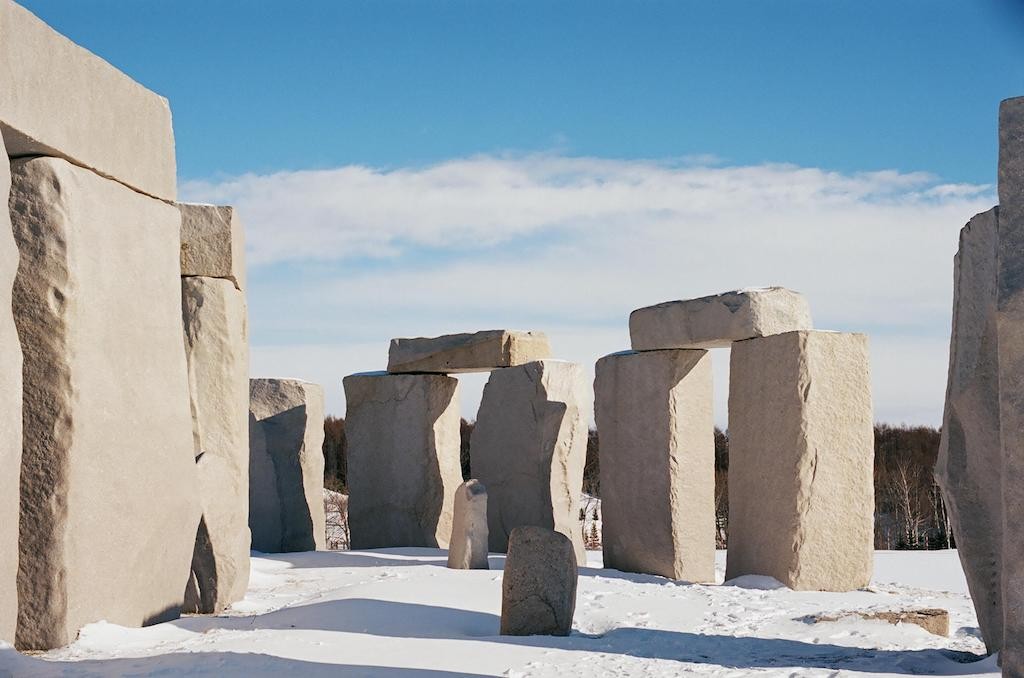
538 587
655 420
286 492
529 447
467 549
403 458
801 495
109 506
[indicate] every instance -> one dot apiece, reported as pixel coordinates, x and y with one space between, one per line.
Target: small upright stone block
529 447
654 416
718 320
467 549
459 353
801 458
286 466
212 243
538 587
403 458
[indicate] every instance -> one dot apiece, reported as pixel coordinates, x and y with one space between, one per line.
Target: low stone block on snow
538 586
459 353
529 447
108 474
403 458
212 243
718 320
467 549
932 620
286 466
655 421
801 458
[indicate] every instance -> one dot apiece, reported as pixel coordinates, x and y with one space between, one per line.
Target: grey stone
718 320
458 353
655 421
403 458
108 476
286 466
801 458
212 243
538 586
529 447
467 549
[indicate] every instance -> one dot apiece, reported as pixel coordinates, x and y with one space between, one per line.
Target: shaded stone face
538 586
529 447
403 458
467 549
460 353
97 302
801 488
655 420
717 321
212 243
286 466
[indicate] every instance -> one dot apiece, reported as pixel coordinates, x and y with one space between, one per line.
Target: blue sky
416 168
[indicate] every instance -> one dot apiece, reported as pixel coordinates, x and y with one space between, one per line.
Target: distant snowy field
400 612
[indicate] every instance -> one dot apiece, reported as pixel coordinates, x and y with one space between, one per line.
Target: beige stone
108 493
217 350
538 586
529 447
467 549
10 415
212 243
59 99
403 458
656 425
458 353
286 456
932 620
718 320
801 494
970 457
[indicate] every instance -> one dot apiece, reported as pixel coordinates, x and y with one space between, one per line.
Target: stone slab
58 99
286 490
718 320
529 448
467 549
212 243
932 620
108 493
801 458
538 586
460 353
217 350
403 458
656 425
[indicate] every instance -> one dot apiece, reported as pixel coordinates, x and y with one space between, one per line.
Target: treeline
909 511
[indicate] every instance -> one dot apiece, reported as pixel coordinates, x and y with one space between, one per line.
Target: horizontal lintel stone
472 352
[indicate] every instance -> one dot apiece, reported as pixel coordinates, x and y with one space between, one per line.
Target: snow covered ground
400 612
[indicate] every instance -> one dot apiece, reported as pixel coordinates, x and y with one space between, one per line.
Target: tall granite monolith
467 549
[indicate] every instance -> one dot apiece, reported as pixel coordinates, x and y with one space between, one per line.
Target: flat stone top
268 397
718 320
471 352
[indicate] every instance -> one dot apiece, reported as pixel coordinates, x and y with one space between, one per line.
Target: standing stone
970 456
109 507
10 415
403 458
459 353
217 349
538 587
801 494
286 491
655 420
467 549
212 243
529 447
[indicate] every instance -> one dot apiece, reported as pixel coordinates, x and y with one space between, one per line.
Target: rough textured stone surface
286 466
538 586
655 420
212 243
529 447
932 620
59 99
10 415
719 320
457 353
467 549
403 458
970 456
801 491
108 477
217 350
